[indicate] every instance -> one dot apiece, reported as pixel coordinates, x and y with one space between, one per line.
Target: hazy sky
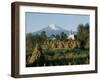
37 21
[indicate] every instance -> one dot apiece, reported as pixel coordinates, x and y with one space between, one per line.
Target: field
63 57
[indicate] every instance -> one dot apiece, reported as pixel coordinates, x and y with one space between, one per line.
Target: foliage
64 57
42 50
83 35
57 37
63 36
29 43
43 36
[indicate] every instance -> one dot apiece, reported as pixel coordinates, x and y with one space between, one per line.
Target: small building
72 36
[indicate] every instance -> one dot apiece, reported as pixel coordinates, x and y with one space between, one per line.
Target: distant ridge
53 29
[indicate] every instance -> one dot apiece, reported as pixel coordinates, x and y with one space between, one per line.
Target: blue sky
37 21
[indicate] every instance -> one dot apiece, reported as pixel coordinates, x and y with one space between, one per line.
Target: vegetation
83 35
42 50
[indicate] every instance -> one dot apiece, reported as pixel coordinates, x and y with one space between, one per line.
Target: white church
72 36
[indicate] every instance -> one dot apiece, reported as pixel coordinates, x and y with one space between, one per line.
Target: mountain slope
52 29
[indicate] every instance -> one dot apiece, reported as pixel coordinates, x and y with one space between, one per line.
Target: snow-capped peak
54 27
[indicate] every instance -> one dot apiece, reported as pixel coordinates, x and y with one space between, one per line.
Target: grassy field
59 57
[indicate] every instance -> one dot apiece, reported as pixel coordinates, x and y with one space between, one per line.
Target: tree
63 36
87 36
80 32
57 37
83 34
29 43
37 38
52 35
43 35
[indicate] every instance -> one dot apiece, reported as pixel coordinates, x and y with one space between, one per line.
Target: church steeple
71 32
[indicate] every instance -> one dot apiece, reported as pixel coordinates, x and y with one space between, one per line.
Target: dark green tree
37 38
43 35
87 30
87 36
63 36
52 35
83 34
29 43
57 37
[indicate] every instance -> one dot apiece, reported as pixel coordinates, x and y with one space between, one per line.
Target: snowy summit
54 27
